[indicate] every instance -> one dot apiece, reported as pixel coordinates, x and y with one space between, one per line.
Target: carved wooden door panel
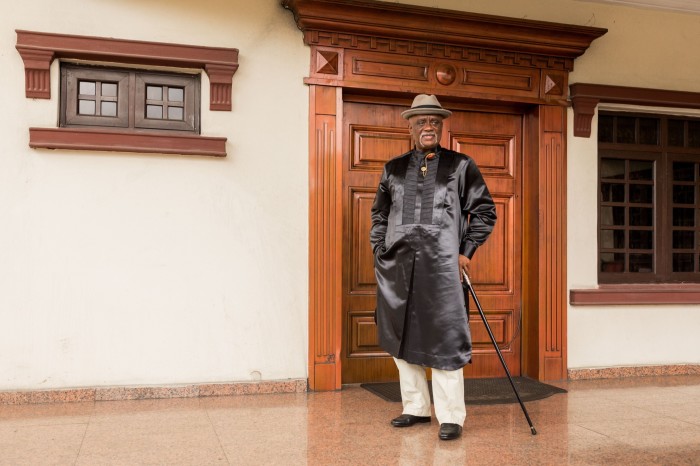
494 140
373 133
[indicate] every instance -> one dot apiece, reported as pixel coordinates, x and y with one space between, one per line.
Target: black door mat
479 391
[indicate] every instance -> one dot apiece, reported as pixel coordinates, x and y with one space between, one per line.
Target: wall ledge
633 371
126 141
636 294
71 395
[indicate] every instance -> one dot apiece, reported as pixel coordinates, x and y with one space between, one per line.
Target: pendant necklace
424 165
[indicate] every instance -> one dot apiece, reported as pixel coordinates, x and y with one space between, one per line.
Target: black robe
420 225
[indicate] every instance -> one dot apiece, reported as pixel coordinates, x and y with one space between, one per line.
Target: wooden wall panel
389 67
363 333
387 71
515 81
499 321
552 243
373 146
363 280
493 153
495 272
325 241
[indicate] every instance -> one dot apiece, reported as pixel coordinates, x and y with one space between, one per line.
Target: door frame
377 47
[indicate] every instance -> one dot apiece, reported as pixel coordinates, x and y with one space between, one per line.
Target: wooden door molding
364 47
386 47
325 236
398 28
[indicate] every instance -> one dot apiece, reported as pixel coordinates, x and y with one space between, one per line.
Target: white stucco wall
128 269
643 48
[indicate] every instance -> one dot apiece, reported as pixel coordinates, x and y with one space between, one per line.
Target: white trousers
448 392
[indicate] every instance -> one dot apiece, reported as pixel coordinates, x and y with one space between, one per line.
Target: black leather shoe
450 431
407 420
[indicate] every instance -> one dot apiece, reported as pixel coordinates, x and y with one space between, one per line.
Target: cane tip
534 432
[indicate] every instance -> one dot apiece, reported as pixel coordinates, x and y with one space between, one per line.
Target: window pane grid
626 215
629 129
684 212
97 98
164 102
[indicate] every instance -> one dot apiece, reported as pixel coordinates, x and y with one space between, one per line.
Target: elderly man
431 212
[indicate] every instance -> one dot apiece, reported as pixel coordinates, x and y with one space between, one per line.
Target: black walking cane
498 350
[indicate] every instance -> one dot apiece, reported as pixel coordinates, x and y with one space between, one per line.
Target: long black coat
420 225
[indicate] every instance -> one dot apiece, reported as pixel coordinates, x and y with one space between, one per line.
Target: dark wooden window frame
663 155
190 107
70 95
38 50
627 226
131 100
585 98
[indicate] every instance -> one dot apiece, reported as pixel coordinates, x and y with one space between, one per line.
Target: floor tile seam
670 416
640 404
651 397
595 432
691 422
82 441
692 426
646 409
218 437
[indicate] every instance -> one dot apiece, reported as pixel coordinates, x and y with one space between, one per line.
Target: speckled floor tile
637 421
150 432
688 412
46 414
40 444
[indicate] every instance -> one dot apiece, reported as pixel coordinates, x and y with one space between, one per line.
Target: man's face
426 130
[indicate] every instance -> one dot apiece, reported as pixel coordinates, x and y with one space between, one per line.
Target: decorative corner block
220 85
584 109
327 62
37 76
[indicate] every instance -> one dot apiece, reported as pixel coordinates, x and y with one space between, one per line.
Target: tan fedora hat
425 104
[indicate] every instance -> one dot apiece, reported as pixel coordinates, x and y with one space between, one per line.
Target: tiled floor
654 420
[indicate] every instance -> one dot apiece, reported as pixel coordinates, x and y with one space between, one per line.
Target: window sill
636 294
120 141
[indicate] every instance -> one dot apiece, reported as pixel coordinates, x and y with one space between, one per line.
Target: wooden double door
373 133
